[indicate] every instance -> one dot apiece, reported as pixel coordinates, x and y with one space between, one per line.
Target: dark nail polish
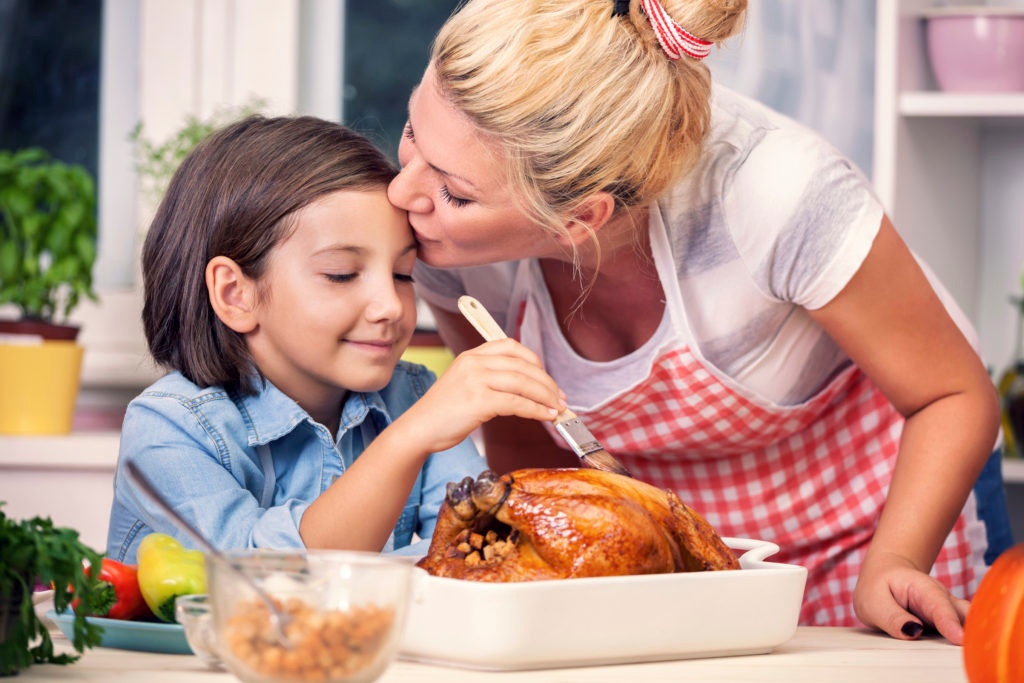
912 629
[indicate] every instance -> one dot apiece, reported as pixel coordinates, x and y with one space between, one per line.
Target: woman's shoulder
750 140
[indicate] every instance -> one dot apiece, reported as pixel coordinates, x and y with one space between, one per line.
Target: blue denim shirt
243 469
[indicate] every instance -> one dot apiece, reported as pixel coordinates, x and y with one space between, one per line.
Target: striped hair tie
675 41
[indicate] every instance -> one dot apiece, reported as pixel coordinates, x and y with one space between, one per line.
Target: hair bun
711 20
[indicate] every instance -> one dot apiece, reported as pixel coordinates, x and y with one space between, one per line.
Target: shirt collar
271 413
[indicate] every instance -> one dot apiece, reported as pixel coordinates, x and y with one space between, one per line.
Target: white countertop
814 654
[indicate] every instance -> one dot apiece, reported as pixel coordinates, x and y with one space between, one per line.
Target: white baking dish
607 620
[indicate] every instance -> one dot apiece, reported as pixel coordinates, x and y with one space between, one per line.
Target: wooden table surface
814 654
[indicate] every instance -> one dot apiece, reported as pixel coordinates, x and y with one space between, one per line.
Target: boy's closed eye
349 277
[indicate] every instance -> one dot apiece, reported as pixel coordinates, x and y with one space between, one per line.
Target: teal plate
144 636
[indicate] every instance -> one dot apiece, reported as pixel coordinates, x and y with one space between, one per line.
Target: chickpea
325 645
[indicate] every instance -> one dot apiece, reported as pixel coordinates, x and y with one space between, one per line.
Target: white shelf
948 167
974 105
76 451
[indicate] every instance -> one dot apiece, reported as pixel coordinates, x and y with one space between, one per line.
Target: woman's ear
232 294
590 217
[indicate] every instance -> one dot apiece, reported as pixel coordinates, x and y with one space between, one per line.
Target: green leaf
48 219
37 551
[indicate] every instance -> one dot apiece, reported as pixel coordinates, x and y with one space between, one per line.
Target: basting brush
582 442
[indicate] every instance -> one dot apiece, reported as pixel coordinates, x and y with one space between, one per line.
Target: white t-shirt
771 222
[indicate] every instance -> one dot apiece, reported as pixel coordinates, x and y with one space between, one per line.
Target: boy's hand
496 378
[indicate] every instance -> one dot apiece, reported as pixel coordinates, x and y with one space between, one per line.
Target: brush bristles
603 460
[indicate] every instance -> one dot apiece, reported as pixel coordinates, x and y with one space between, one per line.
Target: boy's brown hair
234 196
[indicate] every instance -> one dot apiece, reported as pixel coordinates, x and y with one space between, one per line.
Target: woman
716 290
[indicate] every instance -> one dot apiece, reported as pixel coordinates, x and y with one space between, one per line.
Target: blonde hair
577 101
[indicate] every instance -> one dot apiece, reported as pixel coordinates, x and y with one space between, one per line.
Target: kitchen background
76 76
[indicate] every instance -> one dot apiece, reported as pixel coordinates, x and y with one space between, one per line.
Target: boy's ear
592 215
232 294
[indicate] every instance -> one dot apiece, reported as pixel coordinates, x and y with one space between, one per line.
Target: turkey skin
535 524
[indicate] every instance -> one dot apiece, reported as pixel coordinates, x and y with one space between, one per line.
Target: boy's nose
386 304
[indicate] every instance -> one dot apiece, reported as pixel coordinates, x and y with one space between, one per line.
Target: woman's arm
509 442
893 325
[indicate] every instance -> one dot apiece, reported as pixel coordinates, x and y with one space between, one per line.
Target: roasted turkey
565 523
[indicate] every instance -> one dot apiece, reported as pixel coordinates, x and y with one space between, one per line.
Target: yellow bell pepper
166 570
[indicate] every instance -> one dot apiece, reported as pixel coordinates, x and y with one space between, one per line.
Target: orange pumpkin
994 630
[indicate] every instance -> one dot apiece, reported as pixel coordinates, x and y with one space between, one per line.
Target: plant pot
40 371
38 328
40 386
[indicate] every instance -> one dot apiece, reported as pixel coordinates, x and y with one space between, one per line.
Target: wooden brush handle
490 330
480 319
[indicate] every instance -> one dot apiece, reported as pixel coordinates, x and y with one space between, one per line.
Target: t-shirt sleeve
491 284
802 216
439 286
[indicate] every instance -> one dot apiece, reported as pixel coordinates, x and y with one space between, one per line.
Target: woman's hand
896 597
498 378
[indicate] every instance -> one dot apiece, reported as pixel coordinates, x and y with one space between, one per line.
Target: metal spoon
278 619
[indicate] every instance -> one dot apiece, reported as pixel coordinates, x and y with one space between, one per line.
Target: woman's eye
449 198
404 277
407 133
340 277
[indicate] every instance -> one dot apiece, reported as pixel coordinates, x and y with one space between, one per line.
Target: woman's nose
406 192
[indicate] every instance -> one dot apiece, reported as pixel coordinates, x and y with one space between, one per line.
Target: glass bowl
345 613
193 613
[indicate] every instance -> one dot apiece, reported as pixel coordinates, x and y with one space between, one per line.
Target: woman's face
452 185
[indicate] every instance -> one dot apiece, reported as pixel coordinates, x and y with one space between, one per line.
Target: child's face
338 307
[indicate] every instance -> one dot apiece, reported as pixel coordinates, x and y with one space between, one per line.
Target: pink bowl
977 49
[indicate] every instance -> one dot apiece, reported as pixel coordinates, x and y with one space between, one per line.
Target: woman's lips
420 236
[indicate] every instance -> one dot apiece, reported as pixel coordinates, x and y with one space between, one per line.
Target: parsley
35 551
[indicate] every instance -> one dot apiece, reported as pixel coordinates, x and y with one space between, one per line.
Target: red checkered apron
811 478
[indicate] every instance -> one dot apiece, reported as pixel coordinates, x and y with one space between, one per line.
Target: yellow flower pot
39 386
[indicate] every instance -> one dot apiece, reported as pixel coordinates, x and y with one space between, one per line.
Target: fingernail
912 629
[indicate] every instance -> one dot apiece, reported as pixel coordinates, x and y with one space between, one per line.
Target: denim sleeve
209 476
453 464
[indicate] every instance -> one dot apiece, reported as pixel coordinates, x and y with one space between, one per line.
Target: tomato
993 646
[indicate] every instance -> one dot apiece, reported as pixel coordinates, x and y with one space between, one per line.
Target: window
49 89
387 44
156 62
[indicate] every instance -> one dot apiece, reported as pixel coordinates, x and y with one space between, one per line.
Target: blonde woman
717 291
